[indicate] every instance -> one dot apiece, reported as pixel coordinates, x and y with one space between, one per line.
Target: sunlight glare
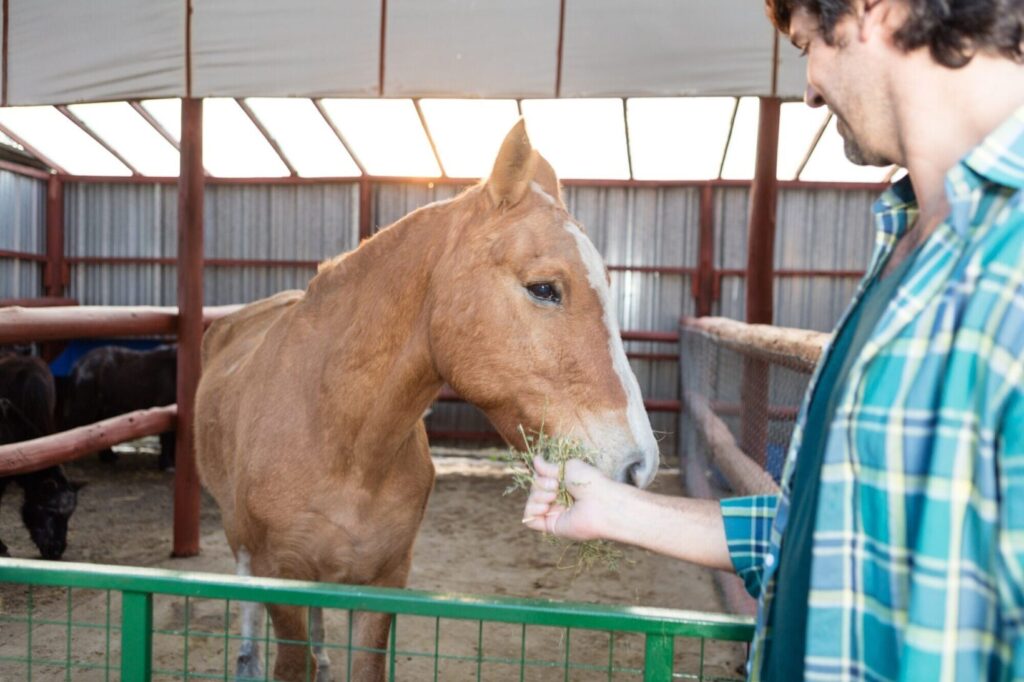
127 132
167 112
828 163
739 158
468 132
54 135
678 138
798 124
307 141
233 146
385 135
582 138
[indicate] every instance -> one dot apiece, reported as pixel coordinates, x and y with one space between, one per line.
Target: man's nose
812 97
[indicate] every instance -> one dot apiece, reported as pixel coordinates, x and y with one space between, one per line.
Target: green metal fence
89 622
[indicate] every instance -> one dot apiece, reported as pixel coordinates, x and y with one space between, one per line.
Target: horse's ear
545 177
513 169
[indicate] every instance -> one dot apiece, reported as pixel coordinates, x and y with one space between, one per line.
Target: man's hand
679 527
590 490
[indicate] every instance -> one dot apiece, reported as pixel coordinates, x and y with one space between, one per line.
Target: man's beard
854 152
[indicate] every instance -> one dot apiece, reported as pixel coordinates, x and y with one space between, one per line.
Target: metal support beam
271 140
55 274
704 291
365 209
760 281
190 325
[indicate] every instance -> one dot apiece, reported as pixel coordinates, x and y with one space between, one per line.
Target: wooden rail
39 453
23 325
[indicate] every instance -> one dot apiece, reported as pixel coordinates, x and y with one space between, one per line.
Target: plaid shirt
918 570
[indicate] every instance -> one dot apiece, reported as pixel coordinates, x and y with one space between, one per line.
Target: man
896 547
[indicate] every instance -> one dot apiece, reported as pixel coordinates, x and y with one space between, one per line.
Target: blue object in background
775 457
62 364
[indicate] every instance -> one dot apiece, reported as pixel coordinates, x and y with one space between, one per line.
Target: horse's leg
167 444
323 663
294 660
370 631
3 547
248 664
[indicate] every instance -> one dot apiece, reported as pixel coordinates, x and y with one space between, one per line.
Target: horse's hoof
248 668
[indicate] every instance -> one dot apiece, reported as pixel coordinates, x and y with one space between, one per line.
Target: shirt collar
1000 156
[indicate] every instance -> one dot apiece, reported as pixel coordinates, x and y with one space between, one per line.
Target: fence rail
136 588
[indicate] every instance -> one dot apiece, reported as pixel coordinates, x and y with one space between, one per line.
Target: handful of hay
589 554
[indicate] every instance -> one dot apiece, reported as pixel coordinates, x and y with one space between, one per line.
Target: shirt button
769 560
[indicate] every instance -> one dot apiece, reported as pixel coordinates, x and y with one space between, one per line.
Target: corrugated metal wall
22 229
294 222
817 229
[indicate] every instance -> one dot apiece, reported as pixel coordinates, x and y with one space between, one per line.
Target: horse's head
522 323
50 499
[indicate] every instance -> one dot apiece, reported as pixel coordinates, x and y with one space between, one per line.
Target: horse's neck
368 317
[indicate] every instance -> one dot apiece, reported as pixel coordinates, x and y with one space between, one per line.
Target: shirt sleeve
1010 462
748 525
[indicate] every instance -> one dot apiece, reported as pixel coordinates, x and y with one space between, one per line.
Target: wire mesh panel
76 621
742 387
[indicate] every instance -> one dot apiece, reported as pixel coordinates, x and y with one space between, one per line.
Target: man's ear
879 15
513 169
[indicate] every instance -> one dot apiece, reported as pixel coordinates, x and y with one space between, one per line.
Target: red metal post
365 209
190 325
760 282
54 274
704 291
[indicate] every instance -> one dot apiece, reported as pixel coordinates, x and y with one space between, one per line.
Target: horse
308 423
111 380
27 399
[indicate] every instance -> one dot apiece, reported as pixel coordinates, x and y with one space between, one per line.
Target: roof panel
678 138
232 144
54 135
485 48
666 48
304 137
127 132
582 138
468 132
385 134
310 48
62 51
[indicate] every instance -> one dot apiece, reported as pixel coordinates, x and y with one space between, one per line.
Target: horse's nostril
635 473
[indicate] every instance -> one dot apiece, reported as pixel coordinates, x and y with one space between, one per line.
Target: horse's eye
545 291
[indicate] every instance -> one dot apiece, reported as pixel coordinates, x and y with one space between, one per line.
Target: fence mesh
54 632
742 386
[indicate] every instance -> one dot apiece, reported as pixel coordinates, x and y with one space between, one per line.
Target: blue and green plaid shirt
918 569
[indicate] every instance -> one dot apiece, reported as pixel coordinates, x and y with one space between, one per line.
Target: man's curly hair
953 30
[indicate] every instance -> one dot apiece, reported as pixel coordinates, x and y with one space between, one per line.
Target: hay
590 554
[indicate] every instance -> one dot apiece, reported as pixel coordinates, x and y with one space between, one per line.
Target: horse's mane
386 234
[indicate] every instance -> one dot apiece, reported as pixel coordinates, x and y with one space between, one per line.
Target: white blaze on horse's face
523 325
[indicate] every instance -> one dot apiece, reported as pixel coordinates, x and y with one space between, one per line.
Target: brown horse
308 426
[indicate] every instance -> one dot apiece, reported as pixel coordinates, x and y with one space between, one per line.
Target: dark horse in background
27 399
111 380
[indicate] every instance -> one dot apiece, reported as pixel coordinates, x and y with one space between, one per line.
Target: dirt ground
471 542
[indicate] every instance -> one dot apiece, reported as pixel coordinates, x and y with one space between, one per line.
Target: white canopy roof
67 51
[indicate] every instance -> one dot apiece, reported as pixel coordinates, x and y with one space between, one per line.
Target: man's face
844 77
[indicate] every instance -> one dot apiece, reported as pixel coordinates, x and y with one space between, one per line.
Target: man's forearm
685 528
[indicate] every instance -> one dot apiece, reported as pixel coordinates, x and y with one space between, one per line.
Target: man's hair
953 30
